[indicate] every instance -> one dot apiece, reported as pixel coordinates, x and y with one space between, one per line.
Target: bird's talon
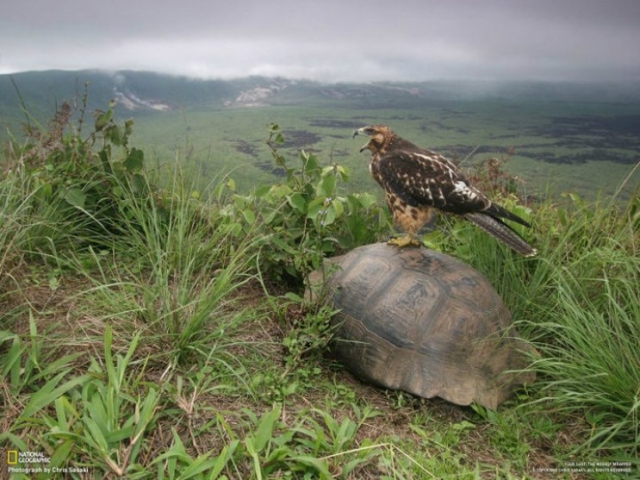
404 241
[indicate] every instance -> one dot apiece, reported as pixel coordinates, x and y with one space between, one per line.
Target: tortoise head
379 137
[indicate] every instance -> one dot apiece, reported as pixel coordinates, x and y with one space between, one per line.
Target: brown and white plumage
416 181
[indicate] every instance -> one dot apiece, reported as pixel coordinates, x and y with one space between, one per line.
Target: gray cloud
333 40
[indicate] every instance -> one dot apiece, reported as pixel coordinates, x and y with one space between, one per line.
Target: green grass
159 338
578 303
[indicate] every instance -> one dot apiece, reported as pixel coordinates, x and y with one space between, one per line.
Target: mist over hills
140 92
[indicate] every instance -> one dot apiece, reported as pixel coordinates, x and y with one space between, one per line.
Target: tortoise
423 322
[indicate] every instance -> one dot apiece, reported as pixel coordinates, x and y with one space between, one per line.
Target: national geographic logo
12 457
36 463
15 457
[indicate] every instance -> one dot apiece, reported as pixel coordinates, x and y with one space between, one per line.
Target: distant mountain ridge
141 92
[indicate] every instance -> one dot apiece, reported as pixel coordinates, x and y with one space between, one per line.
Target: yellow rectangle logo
12 457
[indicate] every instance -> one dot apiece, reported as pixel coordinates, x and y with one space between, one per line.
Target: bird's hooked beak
365 132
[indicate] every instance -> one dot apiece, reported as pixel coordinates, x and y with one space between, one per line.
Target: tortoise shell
420 321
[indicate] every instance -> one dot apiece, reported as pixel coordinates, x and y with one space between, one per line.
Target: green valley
558 137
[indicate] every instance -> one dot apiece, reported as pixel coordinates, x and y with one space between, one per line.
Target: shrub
306 217
77 186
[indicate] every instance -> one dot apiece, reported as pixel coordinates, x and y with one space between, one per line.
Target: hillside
150 329
558 137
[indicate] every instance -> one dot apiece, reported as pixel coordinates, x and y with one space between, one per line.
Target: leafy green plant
31 375
176 462
77 183
117 412
316 446
306 218
309 334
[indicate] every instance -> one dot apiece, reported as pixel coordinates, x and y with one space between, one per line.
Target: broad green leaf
298 202
315 207
265 429
320 466
96 436
134 161
7 335
327 187
12 360
343 172
223 458
61 415
62 452
8 437
338 207
294 297
329 216
279 191
200 465
251 450
249 216
262 191
367 200
75 197
309 161
117 436
113 134
49 392
235 229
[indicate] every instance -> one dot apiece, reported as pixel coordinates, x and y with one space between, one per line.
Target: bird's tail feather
496 211
502 232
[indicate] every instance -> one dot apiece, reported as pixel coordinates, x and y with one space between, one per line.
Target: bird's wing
426 178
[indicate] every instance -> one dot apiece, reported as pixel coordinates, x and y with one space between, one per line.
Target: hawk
417 181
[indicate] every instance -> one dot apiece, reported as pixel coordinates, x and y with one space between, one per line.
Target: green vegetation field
553 149
153 322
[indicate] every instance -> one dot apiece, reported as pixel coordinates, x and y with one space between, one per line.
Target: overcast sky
328 40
